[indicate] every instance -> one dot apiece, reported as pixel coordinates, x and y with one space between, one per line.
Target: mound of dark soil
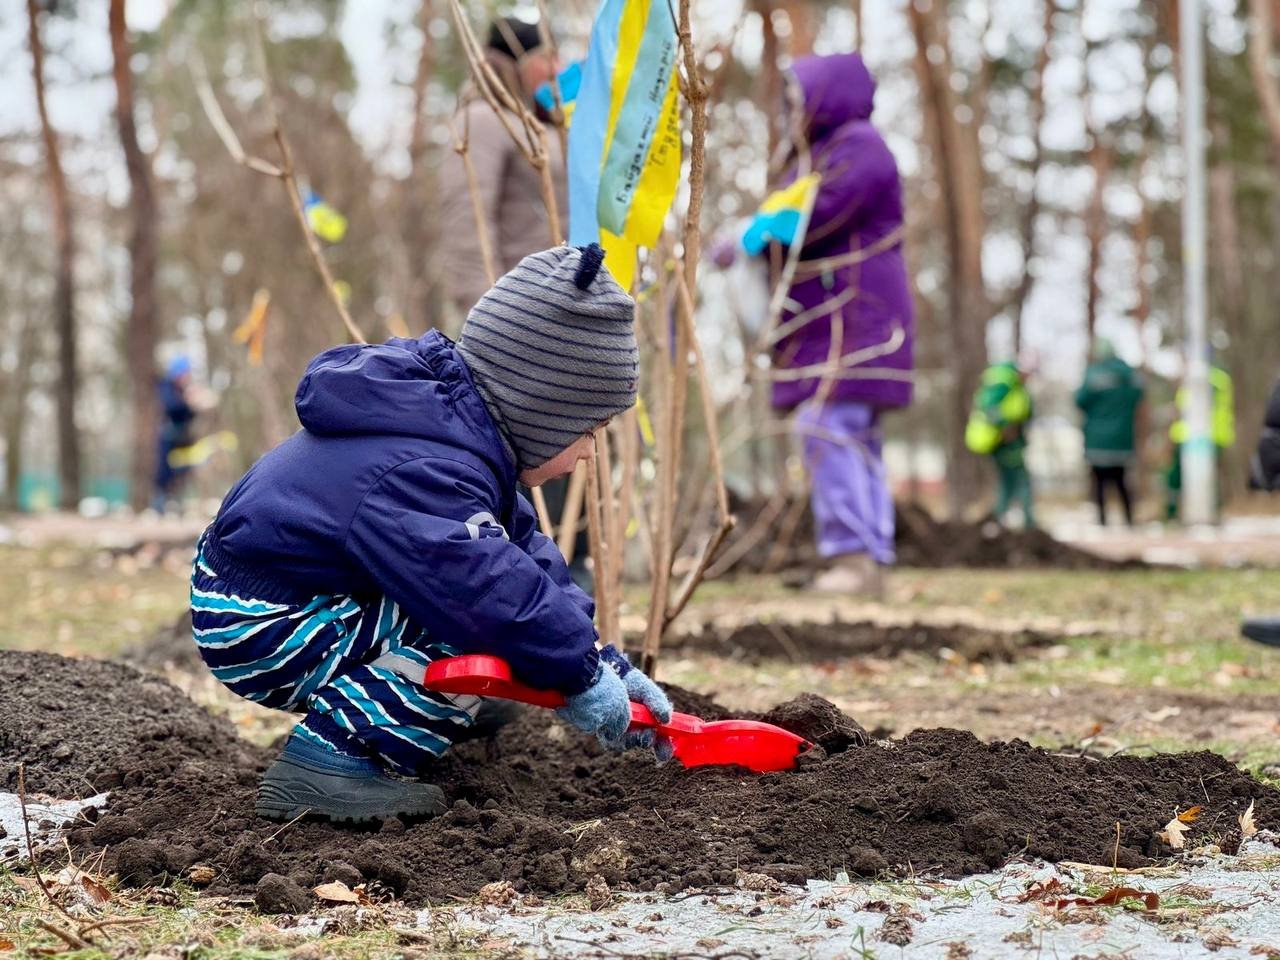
809 641
79 726
786 542
546 809
922 541
169 646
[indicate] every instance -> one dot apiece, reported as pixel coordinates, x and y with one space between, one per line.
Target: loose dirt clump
818 721
807 641
546 810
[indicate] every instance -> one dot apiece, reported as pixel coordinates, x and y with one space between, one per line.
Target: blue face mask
570 80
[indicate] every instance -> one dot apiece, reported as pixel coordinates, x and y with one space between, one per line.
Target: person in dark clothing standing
1109 398
178 414
1265 475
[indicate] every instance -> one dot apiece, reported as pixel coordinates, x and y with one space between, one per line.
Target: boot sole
1267 633
283 801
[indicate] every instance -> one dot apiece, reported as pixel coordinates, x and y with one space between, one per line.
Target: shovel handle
485 676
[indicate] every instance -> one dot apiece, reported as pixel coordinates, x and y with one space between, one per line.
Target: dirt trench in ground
803 641
810 641
545 808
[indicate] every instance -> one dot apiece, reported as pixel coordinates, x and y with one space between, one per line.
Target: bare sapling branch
462 147
595 543
609 564
284 172
568 531
726 520
694 88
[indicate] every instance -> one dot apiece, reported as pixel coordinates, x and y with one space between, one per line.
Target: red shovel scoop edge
761 747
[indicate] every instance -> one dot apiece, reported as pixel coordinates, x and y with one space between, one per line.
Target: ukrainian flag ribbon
624 142
570 82
784 215
325 220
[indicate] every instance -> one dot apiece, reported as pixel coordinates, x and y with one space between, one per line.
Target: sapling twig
283 172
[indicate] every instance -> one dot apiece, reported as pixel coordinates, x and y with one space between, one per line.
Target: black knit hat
514 37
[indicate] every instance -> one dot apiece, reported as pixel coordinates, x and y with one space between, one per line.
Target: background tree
142 327
64 295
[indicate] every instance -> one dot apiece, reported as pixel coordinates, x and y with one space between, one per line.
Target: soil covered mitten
639 689
310 778
643 690
604 708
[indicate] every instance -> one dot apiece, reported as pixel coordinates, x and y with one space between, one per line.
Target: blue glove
641 690
604 708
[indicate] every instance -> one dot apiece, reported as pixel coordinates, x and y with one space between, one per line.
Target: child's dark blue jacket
399 484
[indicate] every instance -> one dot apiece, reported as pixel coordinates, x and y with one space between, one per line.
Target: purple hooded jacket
857 217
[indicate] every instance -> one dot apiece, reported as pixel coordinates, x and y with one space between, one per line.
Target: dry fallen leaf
335 892
1113 898
1216 938
95 891
1248 826
6 944
1173 833
1190 815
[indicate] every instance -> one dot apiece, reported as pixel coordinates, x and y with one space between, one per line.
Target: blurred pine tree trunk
1031 212
64 294
958 168
142 328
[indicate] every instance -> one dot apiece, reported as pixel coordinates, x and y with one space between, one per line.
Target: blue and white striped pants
351 668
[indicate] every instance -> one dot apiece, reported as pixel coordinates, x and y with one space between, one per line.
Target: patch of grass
81 602
1165 659
187 926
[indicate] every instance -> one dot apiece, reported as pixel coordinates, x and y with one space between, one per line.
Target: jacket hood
417 388
836 90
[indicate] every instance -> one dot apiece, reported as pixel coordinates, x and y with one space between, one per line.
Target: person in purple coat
843 344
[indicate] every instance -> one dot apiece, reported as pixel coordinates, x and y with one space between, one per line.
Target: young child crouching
389 532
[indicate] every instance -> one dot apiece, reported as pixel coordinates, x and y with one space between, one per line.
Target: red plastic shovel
761 747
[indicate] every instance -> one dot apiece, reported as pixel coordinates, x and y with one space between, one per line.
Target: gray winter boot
342 789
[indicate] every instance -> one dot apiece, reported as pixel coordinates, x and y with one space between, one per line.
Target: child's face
561 464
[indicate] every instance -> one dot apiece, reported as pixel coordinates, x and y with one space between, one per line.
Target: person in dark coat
1265 475
388 533
178 412
1109 397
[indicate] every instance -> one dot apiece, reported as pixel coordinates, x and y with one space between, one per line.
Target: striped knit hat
552 349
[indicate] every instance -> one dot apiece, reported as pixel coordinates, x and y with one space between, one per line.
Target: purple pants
852 506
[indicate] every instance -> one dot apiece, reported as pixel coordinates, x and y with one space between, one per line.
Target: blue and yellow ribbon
783 216
624 142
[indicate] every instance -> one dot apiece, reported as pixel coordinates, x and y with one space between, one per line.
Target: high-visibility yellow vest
985 428
1222 420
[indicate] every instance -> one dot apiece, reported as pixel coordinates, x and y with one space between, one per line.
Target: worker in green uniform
1108 398
1222 431
1002 412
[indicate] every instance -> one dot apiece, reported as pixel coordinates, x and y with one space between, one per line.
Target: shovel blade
760 747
